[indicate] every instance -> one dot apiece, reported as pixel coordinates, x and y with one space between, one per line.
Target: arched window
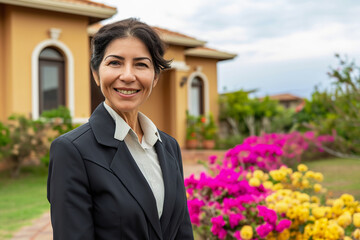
197 97
51 79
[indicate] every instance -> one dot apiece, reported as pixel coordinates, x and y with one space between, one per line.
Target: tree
337 111
246 115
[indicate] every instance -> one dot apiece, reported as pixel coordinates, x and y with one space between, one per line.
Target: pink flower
269 215
217 227
212 159
237 235
283 224
194 206
234 219
264 229
222 234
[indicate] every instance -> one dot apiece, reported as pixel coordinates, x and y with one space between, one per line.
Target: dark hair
130 27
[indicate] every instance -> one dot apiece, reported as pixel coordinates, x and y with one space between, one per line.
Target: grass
21 199
340 175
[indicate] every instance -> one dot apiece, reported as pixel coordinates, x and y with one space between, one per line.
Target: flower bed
252 194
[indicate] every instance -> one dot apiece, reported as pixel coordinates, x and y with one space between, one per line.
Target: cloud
281 44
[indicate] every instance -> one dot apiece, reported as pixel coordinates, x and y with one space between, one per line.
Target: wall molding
198 73
69 61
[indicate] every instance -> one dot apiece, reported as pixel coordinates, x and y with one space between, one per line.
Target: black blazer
97 191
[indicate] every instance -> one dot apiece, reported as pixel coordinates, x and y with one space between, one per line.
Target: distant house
288 100
44 63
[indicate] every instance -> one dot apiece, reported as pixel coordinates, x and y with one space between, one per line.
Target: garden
286 173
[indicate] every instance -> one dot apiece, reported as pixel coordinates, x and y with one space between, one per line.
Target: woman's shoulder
75 134
166 137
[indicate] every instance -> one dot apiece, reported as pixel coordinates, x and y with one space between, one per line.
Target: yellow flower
277 175
254 182
309 174
318 177
338 203
347 238
303 197
345 219
296 175
248 175
278 186
318 212
265 177
317 187
246 232
284 235
347 198
281 207
356 219
302 168
356 234
268 185
315 199
305 183
258 174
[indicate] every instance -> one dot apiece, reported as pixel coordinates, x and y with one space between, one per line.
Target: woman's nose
127 74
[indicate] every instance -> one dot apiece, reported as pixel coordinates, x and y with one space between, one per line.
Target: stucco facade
27 27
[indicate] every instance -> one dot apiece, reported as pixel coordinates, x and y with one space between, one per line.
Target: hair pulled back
130 27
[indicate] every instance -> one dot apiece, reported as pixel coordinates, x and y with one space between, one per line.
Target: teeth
128 92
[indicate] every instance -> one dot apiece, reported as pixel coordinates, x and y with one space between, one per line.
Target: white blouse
143 153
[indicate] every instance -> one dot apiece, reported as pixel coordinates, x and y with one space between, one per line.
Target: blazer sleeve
68 192
185 231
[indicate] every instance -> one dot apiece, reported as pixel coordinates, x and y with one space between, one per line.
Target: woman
118 176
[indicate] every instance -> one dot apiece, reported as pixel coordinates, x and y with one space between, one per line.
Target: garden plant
252 194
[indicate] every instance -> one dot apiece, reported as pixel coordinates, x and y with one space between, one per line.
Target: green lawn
22 199
340 175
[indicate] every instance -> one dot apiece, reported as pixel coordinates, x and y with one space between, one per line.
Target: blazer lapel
124 167
103 127
169 171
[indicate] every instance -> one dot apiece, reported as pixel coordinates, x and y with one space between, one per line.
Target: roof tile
89 2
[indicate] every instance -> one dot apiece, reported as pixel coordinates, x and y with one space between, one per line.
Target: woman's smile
126 93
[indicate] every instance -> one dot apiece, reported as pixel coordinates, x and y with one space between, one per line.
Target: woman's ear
156 79
96 77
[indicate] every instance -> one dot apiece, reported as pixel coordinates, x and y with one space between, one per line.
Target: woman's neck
131 118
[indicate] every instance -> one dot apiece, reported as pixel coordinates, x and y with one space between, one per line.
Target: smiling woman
118 176
126 77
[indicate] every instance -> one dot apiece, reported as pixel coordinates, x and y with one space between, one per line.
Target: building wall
33 25
2 63
175 53
5 63
160 105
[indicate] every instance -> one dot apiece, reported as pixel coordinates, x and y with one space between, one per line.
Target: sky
282 46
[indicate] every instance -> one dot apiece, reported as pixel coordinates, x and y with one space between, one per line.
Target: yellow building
44 63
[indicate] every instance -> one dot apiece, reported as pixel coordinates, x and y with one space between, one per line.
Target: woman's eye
140 64
114 63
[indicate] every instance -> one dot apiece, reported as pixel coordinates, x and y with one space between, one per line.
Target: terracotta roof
90 3
285 97
168 32
95 11
169 37
194 46
209 53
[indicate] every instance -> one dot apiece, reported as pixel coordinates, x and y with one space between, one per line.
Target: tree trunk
250 123
15 170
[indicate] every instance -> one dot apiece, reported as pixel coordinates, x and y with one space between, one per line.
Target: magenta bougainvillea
224 204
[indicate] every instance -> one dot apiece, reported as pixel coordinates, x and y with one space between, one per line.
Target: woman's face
126 74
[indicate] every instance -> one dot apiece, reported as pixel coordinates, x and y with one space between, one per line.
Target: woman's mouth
126 92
